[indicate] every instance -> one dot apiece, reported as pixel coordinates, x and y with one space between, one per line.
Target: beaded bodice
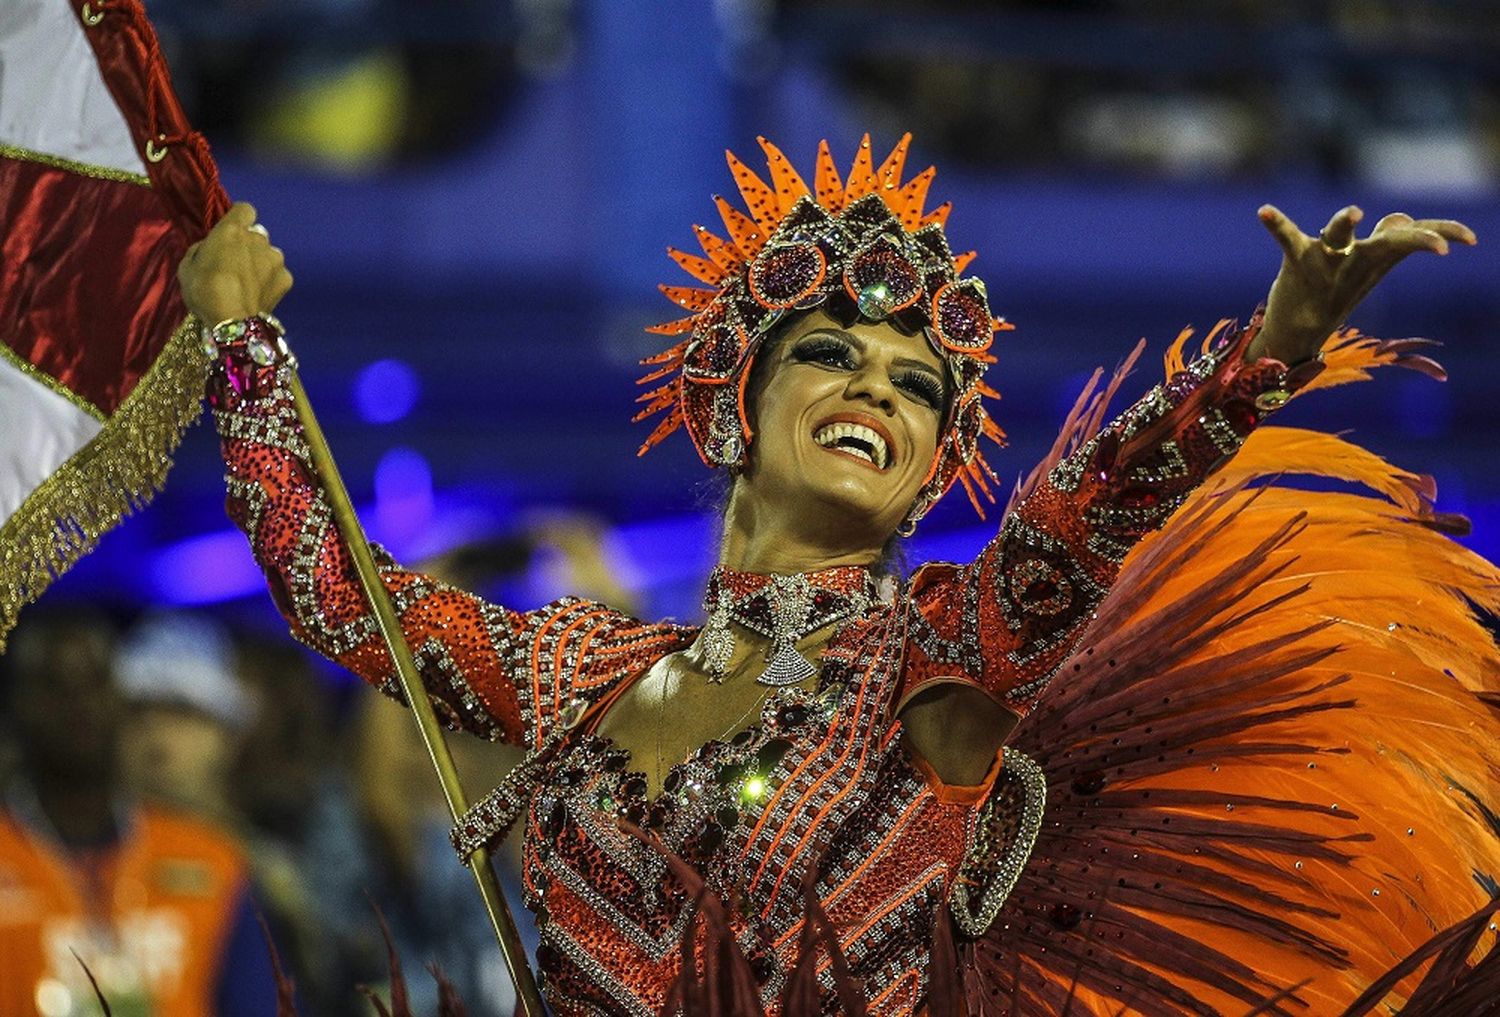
757 814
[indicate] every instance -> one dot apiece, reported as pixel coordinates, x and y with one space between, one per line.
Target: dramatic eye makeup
830 349
824 348
925 385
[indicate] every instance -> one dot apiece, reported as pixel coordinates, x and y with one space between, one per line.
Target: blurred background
475 197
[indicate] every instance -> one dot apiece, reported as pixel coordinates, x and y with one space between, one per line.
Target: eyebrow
907 362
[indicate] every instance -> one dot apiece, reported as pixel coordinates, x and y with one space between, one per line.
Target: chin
865 514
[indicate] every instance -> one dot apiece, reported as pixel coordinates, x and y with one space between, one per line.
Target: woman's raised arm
500 674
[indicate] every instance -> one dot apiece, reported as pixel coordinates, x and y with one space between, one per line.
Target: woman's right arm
500 674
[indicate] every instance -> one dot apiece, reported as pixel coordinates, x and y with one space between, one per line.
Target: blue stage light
205 569
385 391
403 498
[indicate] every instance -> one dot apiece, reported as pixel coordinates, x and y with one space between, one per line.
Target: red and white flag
103 185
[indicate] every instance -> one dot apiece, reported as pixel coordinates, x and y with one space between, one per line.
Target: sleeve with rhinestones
1009 618
497 673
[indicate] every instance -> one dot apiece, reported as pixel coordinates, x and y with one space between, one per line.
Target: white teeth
863 441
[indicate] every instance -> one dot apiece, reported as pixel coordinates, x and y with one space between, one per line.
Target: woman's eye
825 350
924 386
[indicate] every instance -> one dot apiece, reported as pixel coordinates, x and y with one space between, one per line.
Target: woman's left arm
1007 621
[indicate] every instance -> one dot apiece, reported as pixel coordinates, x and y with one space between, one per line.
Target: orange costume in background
172 887
1254 745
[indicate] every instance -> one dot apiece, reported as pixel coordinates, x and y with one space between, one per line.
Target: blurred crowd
167 782
1398 93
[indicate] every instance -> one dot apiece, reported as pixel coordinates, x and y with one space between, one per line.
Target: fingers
1339 233
1395 220
1291 239
1449 229
1399 241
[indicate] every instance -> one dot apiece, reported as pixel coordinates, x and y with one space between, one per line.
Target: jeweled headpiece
866 238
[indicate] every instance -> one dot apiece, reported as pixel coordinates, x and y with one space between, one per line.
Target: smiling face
846 426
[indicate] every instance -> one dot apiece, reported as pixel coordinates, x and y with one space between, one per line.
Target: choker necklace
783 609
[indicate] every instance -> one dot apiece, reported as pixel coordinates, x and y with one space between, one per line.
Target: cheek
924 434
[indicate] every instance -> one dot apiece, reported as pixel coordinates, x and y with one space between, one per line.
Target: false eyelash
815 348
927 388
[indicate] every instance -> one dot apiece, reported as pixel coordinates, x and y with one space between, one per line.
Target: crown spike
719 250
938 215
889 173
658 373
787 181
674 355
676 326
861 174
830 186
699 268
963 478
746 232
655 395
687 297
759 198
962 261
912 196
669 423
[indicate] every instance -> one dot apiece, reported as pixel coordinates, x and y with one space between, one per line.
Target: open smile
858 437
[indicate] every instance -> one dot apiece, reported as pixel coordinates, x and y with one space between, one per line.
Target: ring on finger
258 228
1345 250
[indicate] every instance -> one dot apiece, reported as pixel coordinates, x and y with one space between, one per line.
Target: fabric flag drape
103 186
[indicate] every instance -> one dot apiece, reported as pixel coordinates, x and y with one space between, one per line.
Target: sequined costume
834 790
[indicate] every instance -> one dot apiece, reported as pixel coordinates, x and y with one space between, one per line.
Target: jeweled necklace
783 609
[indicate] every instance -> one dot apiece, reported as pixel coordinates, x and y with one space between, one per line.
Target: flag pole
349 526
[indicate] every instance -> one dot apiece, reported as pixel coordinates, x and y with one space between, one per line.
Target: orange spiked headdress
866 238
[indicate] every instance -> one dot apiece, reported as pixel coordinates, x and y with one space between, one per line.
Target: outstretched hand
1323 278
234 272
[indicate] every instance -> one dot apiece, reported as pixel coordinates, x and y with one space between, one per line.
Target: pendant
787 667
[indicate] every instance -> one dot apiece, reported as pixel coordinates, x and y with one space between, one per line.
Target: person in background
187 713
155 903
282 769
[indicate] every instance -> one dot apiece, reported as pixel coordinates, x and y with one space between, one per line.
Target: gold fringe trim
115 474
50 383
84 169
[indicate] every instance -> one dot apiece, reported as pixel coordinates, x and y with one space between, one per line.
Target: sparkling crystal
262 352
572 713
876 301
1272 400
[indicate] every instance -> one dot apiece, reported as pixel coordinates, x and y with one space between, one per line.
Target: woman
827 744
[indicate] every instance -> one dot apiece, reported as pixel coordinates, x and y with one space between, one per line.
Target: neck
762 541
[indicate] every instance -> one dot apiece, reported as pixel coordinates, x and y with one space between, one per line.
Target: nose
872 384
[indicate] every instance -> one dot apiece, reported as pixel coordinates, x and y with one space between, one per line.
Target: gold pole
411 683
